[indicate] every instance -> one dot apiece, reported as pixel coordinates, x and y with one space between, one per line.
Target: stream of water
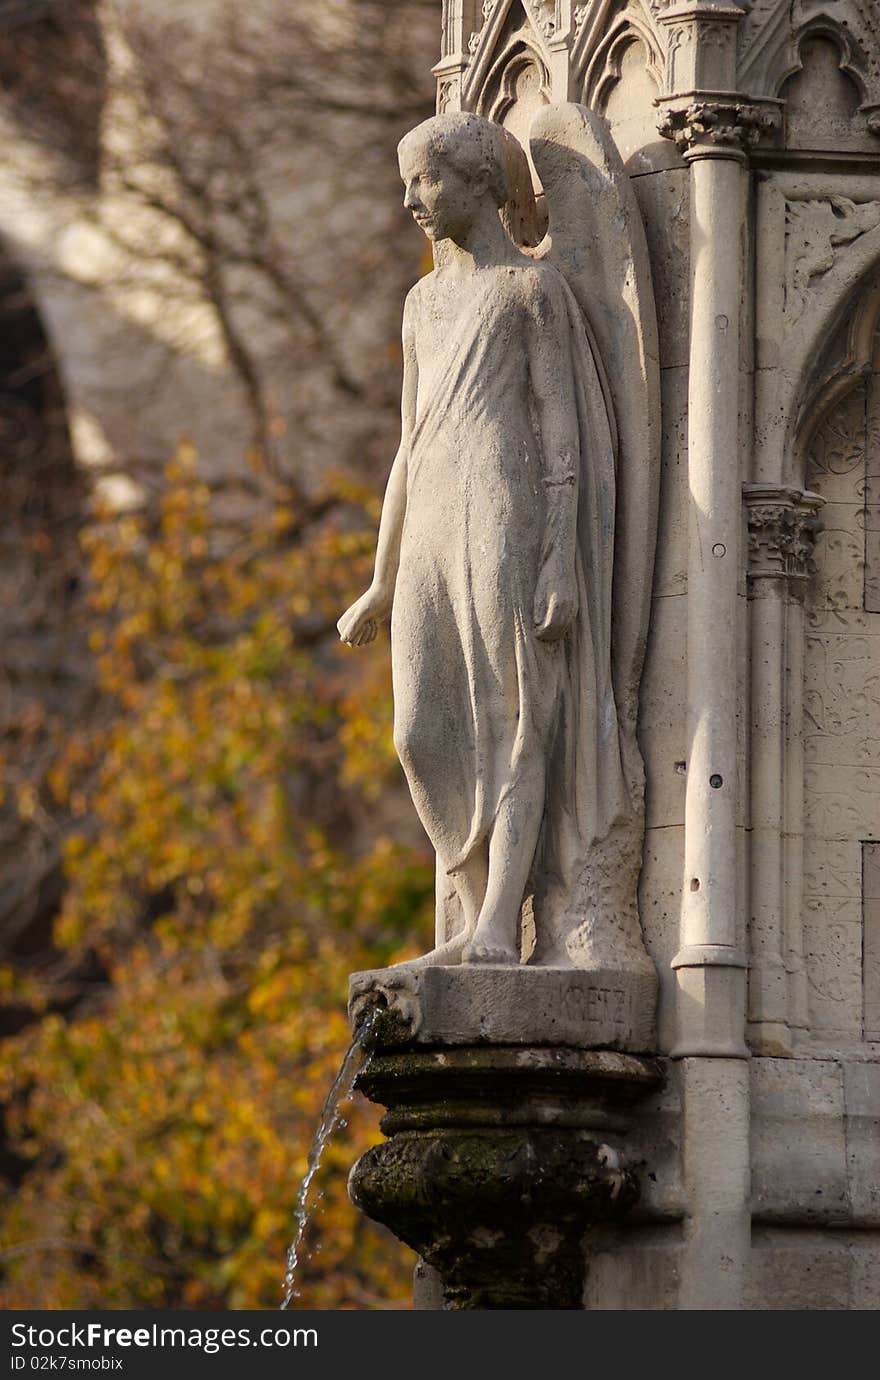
331 1118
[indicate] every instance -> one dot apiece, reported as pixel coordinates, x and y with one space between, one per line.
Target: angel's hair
471 143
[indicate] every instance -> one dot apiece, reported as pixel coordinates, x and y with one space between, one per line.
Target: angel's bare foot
445 955
485 953
491 943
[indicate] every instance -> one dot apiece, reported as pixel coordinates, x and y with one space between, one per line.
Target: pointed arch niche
622 81
517 86
823 91
840 455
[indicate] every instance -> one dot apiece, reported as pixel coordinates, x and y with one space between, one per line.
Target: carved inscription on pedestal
599 1007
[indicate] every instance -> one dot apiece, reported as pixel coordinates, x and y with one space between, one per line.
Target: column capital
701 108
783 524
715 126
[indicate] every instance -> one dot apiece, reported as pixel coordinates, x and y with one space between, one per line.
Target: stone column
712 128
461 19
711 963
782 524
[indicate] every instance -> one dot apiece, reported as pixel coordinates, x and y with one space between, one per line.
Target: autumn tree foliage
229 814
218 909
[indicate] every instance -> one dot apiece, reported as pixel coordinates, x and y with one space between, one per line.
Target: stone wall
756 126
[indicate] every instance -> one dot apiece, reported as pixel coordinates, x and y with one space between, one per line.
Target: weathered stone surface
799 1167
660 901
841 707
871 939
501 1086
798 1270
634 1268
501 1216
663 717
861 1095
524 1005
665 205
654 1141
498 1163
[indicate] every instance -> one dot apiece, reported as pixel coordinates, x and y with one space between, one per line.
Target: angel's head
454 167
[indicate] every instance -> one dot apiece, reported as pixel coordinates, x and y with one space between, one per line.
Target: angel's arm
556 407
358 624
394 505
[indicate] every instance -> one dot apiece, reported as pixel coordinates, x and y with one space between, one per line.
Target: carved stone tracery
816 228
772 34
690 48
599 66
544 14
599 48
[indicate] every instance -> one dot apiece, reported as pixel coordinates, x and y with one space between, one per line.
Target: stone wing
596 238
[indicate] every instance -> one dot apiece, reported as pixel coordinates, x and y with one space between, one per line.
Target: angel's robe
480 702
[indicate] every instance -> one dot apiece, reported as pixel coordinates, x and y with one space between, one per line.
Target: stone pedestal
609 1008
502 1152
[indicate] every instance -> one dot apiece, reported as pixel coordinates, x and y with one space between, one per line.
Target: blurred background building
201 241
201 238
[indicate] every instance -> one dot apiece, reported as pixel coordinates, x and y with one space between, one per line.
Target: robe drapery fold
480 702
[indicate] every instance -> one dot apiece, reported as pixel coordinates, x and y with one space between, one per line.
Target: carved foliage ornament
544 14
735 124
783 527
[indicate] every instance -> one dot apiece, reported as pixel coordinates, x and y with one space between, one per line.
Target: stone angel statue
516 541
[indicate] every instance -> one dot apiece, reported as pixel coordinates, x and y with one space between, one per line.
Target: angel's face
442 200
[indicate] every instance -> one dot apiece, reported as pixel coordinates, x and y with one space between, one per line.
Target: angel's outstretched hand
359 624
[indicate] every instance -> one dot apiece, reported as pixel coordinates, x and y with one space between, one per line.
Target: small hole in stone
695 884
716 781
681 768
719 549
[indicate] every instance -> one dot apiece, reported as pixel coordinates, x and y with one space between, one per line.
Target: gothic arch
517 63
821 27
771 52
602 69
511 30
848 356
839 461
